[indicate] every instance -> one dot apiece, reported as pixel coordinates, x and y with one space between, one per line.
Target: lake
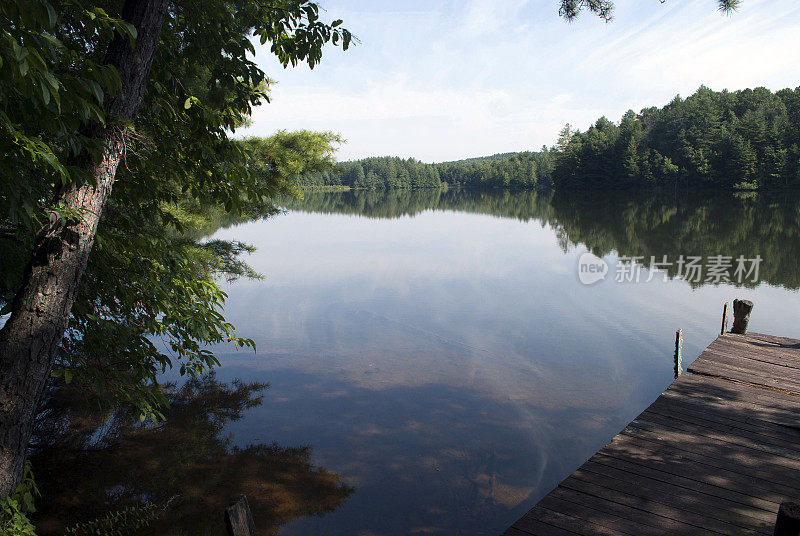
439 352
438 360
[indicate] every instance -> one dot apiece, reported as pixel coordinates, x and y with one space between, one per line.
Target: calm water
436 364
438 351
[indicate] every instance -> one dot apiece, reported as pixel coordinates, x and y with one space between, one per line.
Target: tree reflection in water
645 224
90 462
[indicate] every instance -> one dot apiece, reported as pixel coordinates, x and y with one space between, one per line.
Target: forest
118 126
744 139
523 170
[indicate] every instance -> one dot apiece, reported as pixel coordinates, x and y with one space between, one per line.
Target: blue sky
443 80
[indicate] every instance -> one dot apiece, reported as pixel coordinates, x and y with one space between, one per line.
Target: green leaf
51 159
51 14
96 90
127 29
45 94
19 52
51 81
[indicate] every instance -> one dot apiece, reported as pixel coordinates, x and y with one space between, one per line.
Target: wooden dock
716 453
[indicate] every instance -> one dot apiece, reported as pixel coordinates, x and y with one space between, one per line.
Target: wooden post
724 319
741 316
788 522
678 353
239 518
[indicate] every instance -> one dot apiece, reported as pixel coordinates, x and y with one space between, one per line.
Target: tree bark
30 339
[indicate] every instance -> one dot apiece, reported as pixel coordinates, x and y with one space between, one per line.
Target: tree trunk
30 339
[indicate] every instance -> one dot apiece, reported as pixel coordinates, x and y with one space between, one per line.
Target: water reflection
438 350
106 463
699 224
430 459
644 224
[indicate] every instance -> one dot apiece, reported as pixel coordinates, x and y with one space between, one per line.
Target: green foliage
14 510
286 158
125 522
743 139
509 170
570 9
148 300
142 284
204 82
53 85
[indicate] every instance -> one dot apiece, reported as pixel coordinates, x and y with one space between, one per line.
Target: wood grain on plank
716 453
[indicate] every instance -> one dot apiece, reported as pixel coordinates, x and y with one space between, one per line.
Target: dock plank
716 453
747 351
763 370
617 517
697 467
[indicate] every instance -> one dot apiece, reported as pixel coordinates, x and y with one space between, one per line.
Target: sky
442 80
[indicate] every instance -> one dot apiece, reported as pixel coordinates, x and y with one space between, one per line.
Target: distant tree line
721 139
510 170
726 140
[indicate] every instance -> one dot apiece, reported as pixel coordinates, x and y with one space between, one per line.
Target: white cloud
445 80
483 17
